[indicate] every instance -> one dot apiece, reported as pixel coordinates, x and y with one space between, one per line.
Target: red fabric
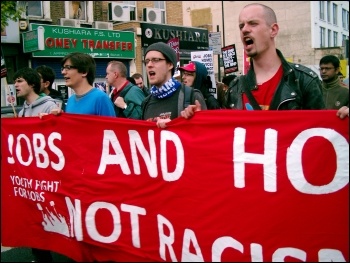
220 207
263 95
190 67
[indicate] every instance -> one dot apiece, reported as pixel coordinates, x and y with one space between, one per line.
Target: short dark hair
84 64
137 76
330 59
31 76
227 79
132 80
47 74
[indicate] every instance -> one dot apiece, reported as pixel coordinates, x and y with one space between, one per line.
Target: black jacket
299 89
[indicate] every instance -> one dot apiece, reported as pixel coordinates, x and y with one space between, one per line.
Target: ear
170 66
47 83
274 30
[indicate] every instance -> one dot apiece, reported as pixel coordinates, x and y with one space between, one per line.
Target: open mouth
248 41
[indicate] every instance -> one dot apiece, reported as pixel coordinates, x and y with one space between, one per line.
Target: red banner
223 186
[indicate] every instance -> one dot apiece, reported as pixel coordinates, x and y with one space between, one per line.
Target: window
323 37
335 39
328 11
77 10
345 19
34 8
335 14
160 5
132 5
329 38
322 10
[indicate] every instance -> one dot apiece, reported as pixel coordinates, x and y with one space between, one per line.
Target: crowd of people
272 83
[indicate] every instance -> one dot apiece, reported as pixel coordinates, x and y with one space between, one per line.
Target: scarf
165 90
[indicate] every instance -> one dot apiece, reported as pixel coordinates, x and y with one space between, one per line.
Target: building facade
113 30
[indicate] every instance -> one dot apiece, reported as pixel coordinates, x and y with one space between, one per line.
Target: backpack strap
249 94
186 98
126 89
143 105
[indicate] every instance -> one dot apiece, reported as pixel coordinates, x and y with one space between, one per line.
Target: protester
140 83
343 112
127 97
271 83
28 85
47 79
167 95
335 95
226 80
341 78
78 70
195 75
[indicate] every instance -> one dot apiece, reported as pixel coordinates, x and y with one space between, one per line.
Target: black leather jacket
299 89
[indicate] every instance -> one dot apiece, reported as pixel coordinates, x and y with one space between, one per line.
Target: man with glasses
335 95
163 104
78 70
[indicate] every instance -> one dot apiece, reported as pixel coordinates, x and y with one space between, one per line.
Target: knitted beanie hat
166 50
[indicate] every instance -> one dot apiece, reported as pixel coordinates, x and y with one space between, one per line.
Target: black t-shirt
165 107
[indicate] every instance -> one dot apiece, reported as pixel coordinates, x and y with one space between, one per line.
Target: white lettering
268 159
295 164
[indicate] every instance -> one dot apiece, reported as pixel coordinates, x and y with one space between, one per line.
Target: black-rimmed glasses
153 60
67 67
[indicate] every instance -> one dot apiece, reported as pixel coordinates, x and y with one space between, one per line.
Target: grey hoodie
41 105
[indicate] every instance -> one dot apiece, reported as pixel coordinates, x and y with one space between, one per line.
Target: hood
201 75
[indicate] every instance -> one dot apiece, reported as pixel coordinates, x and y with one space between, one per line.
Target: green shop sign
33 40
60 41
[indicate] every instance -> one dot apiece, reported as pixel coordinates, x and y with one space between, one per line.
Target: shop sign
33 40
191 38
60 41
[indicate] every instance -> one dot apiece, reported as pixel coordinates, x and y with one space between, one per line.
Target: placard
229 58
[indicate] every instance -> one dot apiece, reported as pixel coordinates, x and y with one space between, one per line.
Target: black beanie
166 50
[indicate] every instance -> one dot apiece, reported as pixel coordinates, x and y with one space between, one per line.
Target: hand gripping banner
223 186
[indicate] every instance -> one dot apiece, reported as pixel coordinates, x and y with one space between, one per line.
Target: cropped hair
31 76
84 64
119 66
330 59
270 15
228 78
137 76
47 74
